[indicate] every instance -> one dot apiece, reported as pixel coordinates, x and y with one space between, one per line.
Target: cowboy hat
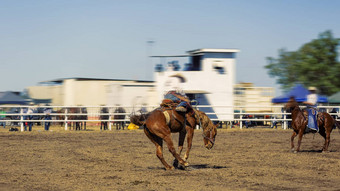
312 88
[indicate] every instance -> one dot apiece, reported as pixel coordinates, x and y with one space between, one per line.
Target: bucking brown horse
160 123
300 121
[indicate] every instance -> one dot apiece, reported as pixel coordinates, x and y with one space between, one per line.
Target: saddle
167 105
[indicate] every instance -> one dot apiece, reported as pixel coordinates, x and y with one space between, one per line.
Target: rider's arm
183 98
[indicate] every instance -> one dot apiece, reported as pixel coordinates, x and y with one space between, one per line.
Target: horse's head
291 104
209 135
209 129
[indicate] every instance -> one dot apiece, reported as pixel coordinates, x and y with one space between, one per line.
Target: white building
250 98
92 91
209 78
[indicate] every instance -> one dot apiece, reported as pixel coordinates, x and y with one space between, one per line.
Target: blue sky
49 39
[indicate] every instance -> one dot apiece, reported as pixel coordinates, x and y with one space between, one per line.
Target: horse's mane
292 103
203 118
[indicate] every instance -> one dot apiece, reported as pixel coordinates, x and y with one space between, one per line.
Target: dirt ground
248 159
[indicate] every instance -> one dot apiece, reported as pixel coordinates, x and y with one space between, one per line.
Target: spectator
104 118
143 109
47 112
28 111
2 117
274 122
246 122
119 117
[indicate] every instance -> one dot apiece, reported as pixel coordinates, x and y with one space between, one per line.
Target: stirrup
181 109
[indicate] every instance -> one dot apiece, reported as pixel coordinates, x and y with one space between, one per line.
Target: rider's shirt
312 98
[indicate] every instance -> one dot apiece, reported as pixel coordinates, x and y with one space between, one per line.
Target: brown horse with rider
160 123
299 124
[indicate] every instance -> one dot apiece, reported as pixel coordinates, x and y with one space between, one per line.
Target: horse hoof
170 168
175 163
295 152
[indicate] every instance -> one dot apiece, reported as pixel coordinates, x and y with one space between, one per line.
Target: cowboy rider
180 98
311 103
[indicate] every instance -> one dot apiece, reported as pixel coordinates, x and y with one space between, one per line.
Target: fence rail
9 116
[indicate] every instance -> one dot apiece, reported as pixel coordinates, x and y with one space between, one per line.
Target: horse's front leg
292 140
190 136
299 140
181 139
172 150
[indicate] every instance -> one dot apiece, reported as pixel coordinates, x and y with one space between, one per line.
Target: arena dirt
248 159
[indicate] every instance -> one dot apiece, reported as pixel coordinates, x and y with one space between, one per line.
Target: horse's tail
139 119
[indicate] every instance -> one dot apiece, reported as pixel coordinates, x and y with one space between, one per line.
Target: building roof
211 50
60 80
11 98
199 51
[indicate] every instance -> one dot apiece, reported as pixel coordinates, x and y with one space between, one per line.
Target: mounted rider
178 96
312 99
174 92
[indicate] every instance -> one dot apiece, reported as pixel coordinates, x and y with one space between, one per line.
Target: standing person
143 109
47 112
104 118
28 116
2 117
311 103
120 117
274 122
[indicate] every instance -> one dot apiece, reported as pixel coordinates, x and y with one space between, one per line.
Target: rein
209 138
204 134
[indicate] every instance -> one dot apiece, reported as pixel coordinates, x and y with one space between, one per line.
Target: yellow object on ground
133 126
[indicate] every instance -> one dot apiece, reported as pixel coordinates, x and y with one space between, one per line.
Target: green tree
314 64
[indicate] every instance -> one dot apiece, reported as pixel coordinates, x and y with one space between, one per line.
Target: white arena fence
241 117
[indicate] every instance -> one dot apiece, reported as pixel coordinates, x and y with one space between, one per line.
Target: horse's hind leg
159 148
326 135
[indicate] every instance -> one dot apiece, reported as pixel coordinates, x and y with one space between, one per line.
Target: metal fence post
21 119
65 119
284 117
240 118
110 122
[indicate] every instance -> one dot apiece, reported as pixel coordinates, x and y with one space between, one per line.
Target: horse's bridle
212 140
